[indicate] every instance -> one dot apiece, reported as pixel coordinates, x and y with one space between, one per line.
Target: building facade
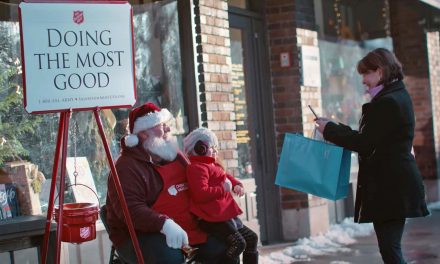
282 81
247 70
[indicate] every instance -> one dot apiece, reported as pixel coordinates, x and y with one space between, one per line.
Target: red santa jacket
209 200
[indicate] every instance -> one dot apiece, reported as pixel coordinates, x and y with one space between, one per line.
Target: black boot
250 257
236 245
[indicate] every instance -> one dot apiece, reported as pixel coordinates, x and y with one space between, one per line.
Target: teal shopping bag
314 167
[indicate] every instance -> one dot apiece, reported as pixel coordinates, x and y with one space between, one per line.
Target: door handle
258 148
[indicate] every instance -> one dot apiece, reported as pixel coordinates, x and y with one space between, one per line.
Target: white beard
166 149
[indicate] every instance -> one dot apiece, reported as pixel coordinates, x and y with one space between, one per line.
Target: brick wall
281 32
287 22
410 46
214 75
434 72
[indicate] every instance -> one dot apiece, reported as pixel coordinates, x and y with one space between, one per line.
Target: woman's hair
381 59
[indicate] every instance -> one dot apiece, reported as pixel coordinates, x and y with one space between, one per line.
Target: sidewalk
421 245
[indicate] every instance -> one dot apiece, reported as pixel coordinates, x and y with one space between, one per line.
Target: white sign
77 56
311 67
285 59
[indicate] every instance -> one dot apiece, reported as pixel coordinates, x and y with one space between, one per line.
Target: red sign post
77 56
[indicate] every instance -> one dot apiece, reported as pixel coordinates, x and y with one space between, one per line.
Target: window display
27 142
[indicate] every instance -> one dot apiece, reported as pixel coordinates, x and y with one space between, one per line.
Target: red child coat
209 200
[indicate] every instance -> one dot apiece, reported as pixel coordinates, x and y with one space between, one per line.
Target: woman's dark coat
389 183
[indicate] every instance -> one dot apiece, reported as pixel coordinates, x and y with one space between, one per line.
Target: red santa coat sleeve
198 183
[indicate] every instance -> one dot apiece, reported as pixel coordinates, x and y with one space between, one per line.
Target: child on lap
211 200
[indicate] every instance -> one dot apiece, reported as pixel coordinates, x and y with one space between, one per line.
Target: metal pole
52 188
117 184
61 189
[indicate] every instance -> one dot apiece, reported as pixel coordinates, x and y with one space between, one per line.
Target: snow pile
335 240
434 206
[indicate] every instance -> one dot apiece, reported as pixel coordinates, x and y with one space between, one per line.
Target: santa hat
200 134
144 117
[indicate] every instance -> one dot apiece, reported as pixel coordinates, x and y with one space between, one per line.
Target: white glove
227 185
175 235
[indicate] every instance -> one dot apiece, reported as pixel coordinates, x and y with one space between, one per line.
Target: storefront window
20 182
241 110
347 19
346 34
342 90
27 142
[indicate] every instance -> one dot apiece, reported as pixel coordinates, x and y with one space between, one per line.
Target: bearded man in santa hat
152 174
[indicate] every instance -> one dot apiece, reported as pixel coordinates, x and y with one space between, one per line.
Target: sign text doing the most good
77 56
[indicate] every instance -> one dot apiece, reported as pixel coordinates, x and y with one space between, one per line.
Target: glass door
244 146
254 124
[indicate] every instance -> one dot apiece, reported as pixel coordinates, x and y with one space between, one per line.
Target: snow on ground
336 240
434 206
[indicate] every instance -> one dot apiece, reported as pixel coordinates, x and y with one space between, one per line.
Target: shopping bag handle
315 137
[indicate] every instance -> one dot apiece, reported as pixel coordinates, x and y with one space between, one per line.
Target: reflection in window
342 90
347 19
28 141
346 34
241 117
20 181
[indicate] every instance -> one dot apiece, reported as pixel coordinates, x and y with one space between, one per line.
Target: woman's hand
321 122
238 190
